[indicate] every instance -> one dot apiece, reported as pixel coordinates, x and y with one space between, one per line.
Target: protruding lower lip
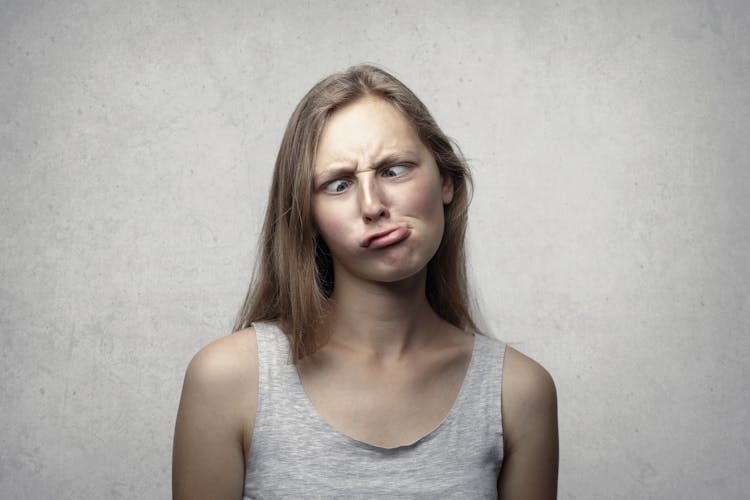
387 238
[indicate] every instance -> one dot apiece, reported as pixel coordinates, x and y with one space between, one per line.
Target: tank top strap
481 394
276 372
459 459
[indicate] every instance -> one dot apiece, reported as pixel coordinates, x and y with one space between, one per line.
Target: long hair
293 278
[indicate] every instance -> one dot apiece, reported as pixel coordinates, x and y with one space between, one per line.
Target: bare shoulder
225 362
215 419
224 376
527 386
530 436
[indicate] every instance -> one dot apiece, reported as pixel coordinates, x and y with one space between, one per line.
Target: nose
371 200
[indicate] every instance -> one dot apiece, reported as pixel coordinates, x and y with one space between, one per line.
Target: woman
356 370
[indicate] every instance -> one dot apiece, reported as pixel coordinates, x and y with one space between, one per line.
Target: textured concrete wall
609 237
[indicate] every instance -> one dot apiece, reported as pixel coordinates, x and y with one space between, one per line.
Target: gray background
609 230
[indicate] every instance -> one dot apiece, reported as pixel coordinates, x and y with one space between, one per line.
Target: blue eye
395 171
336 186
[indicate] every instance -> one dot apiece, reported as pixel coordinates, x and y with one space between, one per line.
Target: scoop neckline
449 417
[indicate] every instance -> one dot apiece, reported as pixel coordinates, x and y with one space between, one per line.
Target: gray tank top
295 453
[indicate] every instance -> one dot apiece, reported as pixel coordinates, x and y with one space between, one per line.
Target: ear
447 188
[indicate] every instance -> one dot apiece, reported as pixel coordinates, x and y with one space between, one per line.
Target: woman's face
378 195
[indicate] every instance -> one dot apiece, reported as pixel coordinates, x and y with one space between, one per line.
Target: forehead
363 130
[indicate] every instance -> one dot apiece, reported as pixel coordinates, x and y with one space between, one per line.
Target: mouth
386 238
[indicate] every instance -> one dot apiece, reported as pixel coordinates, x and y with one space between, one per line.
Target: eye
395 171
337 186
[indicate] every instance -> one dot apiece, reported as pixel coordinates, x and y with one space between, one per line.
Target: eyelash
326 186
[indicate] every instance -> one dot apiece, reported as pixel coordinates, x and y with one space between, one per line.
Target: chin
395 274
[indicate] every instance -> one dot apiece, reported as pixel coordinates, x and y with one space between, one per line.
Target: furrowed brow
337 171
395 158
332 173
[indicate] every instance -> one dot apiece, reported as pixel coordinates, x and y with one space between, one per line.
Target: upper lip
368 239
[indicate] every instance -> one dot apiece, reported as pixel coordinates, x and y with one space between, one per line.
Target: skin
372 175
392 368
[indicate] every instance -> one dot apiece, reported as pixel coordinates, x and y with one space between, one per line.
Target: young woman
356 370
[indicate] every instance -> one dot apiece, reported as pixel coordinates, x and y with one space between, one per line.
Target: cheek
329 223
427 200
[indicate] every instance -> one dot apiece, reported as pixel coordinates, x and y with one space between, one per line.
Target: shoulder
529 415
529 396
527 386
222 380
215 419
225 363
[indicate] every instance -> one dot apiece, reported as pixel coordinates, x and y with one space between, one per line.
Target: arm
529 410
215 420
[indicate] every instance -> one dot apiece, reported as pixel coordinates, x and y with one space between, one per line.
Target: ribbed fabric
295 453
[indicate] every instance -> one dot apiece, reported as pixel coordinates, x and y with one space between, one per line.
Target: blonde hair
294 274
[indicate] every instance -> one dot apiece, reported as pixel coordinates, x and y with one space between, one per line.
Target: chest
386 405
385 408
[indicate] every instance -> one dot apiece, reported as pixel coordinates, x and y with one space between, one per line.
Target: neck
382 319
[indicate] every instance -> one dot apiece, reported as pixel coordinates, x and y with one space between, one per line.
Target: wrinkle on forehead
369 153
361 141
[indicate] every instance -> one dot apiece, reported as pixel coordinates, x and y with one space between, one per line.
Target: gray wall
609 237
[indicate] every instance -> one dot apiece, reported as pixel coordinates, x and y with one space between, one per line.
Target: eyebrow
389 159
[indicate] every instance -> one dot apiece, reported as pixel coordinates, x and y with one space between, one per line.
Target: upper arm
529 412
215 419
